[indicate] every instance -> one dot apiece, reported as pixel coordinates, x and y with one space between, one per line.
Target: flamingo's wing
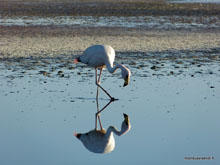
98 55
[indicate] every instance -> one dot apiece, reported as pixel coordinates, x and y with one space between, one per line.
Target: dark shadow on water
101 140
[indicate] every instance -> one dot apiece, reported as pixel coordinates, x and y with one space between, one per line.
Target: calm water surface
172 117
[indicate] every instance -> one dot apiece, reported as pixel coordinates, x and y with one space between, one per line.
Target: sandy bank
53 42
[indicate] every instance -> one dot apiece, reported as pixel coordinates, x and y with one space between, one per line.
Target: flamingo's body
100 56
101 141
97 141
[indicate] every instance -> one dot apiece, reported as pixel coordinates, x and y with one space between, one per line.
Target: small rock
43 73
154 67
71 68
171 72
179 62
60 72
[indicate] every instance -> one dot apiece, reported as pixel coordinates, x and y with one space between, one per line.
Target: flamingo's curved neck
112 69
112 129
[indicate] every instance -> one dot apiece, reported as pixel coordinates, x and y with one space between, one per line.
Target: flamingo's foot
113 99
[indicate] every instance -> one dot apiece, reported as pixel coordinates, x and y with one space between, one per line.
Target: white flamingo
101 56
101 141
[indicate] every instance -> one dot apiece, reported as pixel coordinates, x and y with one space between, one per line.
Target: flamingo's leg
100 124
98 113
98 81
97 94
99 86
100 75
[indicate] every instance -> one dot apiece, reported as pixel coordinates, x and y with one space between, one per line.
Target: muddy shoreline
106 8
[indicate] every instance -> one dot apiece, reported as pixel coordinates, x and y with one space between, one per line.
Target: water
173 116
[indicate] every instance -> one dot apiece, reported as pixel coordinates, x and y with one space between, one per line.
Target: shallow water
173 108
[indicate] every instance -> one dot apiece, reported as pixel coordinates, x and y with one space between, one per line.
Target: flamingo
101 56
102 141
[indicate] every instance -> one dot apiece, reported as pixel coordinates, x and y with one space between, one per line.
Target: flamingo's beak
126 81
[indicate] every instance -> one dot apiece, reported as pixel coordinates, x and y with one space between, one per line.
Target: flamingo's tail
77 135
76 61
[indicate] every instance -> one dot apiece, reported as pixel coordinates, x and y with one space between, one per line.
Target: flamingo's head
126 73
125 126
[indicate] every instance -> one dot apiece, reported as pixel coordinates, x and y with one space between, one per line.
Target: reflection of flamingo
100 56
101 141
